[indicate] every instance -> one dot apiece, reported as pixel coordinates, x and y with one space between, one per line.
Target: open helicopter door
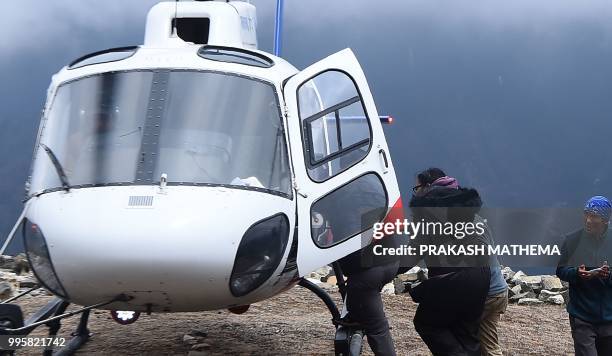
344 178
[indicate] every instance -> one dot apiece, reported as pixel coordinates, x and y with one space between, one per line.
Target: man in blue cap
584 264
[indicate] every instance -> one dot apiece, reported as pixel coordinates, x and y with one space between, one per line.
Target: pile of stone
16 264
15 276
401 282
531 290
522 289
325 278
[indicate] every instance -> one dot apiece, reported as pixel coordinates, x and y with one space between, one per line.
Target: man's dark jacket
590 300
458 285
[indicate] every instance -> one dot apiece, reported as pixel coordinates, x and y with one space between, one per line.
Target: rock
7 262
565 295
313 280
516 279
201 347
551 283
411 275
414 269
389 288
400 286
515 298
514 291
529 301
536 289
508 273
39 292
518 297
328 287
525 287
10 279
532 280
314 275
565 284
407 277
545 295
26 281
331 280
6 290
520 277
21 264
321 273
325 272
8 276
556 299
190 340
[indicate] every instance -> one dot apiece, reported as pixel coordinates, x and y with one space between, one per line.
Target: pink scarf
446 181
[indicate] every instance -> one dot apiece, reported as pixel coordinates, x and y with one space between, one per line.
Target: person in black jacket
363 301
584 264
452 299
353 208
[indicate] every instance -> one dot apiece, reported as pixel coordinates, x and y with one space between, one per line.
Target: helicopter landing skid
348 341
12 324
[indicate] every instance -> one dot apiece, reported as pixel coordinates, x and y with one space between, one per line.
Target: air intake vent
140 200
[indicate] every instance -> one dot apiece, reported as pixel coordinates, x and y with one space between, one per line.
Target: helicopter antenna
174 29
278 28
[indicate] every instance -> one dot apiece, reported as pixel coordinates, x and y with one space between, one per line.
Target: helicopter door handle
383 160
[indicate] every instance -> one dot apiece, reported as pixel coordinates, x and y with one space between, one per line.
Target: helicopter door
344 178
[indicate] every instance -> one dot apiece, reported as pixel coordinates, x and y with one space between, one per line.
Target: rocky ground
295 322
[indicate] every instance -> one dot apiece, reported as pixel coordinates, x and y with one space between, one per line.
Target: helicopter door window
336 130
322 142
349 210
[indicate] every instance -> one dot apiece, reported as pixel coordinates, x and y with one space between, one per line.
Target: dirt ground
297 323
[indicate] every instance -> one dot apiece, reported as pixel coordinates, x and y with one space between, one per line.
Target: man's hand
584 274
604 272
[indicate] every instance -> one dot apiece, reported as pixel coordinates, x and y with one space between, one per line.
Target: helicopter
196 172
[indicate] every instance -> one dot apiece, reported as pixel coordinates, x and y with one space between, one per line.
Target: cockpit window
198 128
235 55
109 55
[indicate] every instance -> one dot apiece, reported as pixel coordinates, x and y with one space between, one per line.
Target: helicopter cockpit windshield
197 127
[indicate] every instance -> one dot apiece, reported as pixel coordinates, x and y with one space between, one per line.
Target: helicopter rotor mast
278 28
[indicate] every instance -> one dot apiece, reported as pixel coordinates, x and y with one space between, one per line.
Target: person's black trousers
448 317
457 338
365 306
591 339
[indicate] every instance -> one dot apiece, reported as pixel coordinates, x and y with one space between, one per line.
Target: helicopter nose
178 254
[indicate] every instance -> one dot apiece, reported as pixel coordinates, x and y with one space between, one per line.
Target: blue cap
600 206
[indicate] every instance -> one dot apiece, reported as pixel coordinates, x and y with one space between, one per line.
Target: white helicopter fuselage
177 253
171 243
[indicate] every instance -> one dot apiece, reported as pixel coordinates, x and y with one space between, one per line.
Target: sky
512 98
